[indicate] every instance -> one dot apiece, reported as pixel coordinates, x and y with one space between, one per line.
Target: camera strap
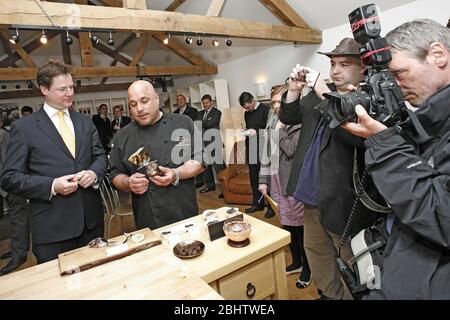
365 199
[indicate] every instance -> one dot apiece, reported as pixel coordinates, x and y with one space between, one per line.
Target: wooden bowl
237 230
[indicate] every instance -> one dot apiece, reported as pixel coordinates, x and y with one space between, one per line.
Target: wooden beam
112 3
214 8
174 5
140 53
283 11
29 47
86 52
5 34
130 38
65 50
15 94
181 50
135 4
23 12
98 72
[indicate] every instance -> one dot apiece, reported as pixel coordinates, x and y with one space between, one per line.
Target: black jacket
335 184
191 112
124 120
415 180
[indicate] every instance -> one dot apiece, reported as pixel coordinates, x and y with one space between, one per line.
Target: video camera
378 93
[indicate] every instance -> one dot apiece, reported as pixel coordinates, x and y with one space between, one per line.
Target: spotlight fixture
30 85
229 43
166 39
199 41
94 38
188 40
17 86
110 39
15 37
43 37
215 43
3 86
69 39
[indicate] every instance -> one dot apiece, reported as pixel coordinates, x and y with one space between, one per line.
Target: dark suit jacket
104 130
124 120
35 156
191 112
212 121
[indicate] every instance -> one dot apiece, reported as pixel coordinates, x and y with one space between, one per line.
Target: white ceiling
319 14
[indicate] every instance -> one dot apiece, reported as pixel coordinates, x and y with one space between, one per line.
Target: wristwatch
176 182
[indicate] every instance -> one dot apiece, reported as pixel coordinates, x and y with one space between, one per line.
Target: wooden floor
207 200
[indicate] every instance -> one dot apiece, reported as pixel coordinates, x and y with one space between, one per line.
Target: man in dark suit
183 108
119 121
210 120
54 158
103 125
255 121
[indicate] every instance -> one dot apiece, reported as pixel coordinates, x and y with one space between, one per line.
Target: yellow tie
66 134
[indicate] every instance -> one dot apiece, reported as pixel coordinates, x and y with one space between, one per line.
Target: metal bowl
188 249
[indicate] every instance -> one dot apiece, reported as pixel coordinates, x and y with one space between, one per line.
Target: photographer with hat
321 175
414 176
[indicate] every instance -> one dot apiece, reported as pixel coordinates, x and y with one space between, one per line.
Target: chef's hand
164 178
138 183
262 188
85 178
366 126
65 185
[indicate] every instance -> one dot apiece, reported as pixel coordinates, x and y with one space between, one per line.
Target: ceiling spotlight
110 39
94 38
166 39
199 41
15 37
69 39
43 38
3 86
30 85
188 40
17 86
215 43
229 42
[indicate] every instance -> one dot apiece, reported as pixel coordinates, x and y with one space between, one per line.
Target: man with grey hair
414 176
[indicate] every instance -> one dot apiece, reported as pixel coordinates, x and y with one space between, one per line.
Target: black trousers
20 233
208 174
49 251
254 182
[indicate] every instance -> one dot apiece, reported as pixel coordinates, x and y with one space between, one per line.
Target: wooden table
233 271
154 273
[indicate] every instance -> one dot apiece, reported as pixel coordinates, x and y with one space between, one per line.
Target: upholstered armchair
235 181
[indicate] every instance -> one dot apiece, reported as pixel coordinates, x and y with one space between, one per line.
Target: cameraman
321 175
414 177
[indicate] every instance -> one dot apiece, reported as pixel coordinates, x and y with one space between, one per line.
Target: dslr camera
378 93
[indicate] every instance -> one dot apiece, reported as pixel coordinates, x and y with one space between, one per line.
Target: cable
46 14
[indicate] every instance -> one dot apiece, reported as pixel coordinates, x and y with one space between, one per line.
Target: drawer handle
251 290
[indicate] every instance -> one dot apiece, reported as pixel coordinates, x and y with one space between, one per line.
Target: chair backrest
110 196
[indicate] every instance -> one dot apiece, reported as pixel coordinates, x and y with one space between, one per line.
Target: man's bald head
143 103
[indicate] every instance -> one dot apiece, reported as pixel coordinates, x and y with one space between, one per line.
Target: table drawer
253 282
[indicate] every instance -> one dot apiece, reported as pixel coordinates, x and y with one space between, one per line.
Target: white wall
273 65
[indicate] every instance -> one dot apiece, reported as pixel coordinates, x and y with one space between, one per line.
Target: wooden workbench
230 271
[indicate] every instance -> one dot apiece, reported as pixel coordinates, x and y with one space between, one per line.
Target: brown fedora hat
347 47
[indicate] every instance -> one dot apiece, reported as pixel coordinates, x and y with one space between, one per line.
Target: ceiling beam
174 5
214 8
15 94
29 47
14 74
125 42
283 11
140 53
23 12
135 4
67 58
112 3
5 34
